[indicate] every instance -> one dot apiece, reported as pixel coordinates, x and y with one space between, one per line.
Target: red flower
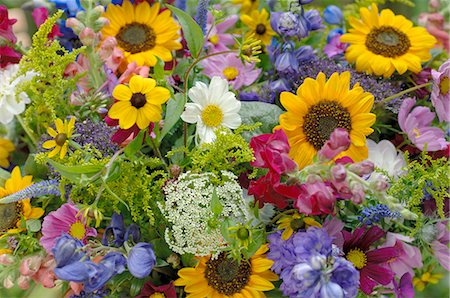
149 289
316 198
6 25
40 15
8 56
121 135
368 262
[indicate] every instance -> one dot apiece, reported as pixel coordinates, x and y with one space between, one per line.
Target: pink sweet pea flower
440 246
339 141
40 15
110 53
6 30
435 25
217 40
440 94
335 46
231 68
416 124
409 256
316 198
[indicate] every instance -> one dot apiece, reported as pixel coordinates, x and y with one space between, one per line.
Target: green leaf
33 225
136 286
162 250
134 146
191 30
175 107
81 173
216 206
158 69
4 175
265 113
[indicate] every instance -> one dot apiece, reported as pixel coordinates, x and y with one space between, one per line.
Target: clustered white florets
188 209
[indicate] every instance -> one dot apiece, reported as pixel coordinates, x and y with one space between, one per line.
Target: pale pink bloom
231 68
78 67
6 259
133 69
440 94
339 141
30 265
217 40
440 246
409 256
45 276
335 46
110 53
23 282
436 26
416 123
8 282
334 228
315 199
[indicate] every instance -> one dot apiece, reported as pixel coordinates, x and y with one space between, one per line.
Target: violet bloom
405 288
314 20
217 40
231 68
417 125
141 260
440 246
335 46
285 24
440 94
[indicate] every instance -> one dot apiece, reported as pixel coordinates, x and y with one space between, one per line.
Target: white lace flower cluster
188 210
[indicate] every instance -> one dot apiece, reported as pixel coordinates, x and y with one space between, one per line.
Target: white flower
10 103
384 155
212 107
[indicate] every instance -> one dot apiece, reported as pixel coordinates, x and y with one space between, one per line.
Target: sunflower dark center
297 224
261 29
138 100
388 41
136 38
322 119
60 139
9 216
226 275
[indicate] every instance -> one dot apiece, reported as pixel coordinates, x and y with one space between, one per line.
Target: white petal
199 94
217 88
229 103
231 120
191 114
205 133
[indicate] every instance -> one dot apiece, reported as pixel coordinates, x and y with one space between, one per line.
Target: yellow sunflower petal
260 283
363 120
142 12
287 233
290 121
261 264
36 213
122 92
292 103
49 144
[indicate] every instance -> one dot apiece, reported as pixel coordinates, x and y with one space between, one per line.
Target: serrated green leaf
33 225
134 146
191 30
216 205
265 113
174 109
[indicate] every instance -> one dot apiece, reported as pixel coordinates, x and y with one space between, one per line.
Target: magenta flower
40 15
315 199
335 46
416 124
217 40
440 94
409 256
405 288
339 141
231 68
369 262
64 220
440 246
6 23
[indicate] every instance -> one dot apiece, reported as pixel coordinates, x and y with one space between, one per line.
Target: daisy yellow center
138 100
212 116
9 216
357 257
388 41
444 86
157 295
77 230
226 276
136 38
322 119
214 39
60 139
261 29
230 73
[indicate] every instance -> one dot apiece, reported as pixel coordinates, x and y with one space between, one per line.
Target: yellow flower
64 131
142 32
6 147
259 24
224 277
13 212
292 223
247 5
250 49
427 278
319 107
381 44
139 103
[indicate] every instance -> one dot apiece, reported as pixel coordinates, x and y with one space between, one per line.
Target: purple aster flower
97 134
141 260
440 94
333 15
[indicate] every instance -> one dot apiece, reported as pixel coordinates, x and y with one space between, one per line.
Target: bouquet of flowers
243 148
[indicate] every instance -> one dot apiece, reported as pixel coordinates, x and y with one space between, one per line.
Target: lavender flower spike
202 13
46 187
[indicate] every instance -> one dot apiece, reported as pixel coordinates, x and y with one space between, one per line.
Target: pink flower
440 246
272 151
335 46
440 94
409 256
334 228
435 24
38 268
30 265
110 53
40 15
133 69
231 68
339 141
6 25
217 40
315 199
405 288
66 220
416 124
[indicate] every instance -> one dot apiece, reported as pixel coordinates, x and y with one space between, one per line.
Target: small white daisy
213 106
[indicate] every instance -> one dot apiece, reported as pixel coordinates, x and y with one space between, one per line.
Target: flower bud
313 178
175 171
362 168
75 25
30 265
332 15
8 282
173 260
6 259
339 172
23 282
87 36
358 193
339 141
99 9
100 23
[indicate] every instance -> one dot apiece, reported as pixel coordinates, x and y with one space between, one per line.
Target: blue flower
285 24
314 20
113 263
133 233
70 7
116 234
374 214
67 250
202 13
141 260
69 40
332 15
333 33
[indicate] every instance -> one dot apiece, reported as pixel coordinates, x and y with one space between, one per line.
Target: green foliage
49 90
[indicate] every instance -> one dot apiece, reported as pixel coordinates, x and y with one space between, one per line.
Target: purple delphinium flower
141 260
98 134
416 123
116 233
263 93
202 11
310 267
285 24
440 94
314 20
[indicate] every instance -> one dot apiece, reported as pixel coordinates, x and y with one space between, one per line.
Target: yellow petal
54 151
261 264
118 109
59 125
158 95
128 119
49 144
142 120
260 283
136 84
122 92
63 151
36 213
51 132
293 103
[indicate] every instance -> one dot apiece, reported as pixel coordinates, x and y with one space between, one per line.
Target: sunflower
6 147
259 24
224 277
381 44
321 106
138 103
11 213
293 223
61 137
247 5
142 32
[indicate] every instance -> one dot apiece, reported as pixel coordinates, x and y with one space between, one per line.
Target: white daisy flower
213 106
385 156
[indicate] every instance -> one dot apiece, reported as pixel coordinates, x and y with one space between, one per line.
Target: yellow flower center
9 216
77 230
214 39
157 295
444 85
357 257
212 116
60 139
136 38
230 73
416 132
387 41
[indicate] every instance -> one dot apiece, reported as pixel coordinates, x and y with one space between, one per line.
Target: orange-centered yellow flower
138 103
383 43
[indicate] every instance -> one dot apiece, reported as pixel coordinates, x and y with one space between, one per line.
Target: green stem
27 131
388 99
276 218
116 196
158 153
